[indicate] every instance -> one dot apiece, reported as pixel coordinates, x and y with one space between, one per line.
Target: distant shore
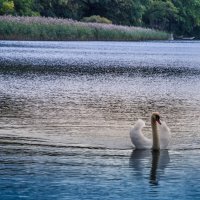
54 29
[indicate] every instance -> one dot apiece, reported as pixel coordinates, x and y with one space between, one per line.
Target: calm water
66 109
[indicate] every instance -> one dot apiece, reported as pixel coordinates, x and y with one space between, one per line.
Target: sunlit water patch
67 108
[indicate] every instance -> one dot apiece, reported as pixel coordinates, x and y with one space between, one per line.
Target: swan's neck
156 139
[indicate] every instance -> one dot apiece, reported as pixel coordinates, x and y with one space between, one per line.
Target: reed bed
43 28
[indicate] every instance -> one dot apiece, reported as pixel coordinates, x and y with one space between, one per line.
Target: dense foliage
181 17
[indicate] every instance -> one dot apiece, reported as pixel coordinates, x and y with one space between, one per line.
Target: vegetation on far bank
180 17
41 28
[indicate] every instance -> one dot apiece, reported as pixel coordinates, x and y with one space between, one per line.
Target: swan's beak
159 121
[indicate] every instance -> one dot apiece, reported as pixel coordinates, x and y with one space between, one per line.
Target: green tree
25 7
188 16
126 12
6 7
161 14
61 8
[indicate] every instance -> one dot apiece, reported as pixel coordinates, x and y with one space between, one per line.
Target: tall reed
41 28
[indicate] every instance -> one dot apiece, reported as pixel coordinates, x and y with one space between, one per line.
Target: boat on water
188 38
184 38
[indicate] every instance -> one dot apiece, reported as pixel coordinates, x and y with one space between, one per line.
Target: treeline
181 17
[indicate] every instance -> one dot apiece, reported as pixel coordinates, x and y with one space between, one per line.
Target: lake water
66 109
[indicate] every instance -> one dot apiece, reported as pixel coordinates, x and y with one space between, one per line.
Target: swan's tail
137 137
139 124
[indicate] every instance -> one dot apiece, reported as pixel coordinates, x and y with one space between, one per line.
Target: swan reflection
156 160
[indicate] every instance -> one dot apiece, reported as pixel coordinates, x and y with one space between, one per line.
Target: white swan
159 141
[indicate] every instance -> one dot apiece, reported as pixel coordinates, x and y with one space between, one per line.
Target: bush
96 19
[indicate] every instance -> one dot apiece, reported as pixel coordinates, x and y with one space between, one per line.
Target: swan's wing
165 135
137 137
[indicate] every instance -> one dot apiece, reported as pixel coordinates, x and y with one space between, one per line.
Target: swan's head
156 117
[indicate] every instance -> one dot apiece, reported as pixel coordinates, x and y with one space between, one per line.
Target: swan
158 141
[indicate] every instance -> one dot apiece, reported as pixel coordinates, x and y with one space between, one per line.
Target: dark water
67 108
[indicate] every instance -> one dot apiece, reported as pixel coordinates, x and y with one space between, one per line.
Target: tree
188 16
126 12
25 8
161 15
6 7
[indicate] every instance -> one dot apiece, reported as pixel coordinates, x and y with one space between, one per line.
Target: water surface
67 108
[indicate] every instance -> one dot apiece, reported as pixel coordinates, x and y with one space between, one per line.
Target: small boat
188 38
181 37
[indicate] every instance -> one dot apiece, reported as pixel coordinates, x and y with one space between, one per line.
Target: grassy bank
40 28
